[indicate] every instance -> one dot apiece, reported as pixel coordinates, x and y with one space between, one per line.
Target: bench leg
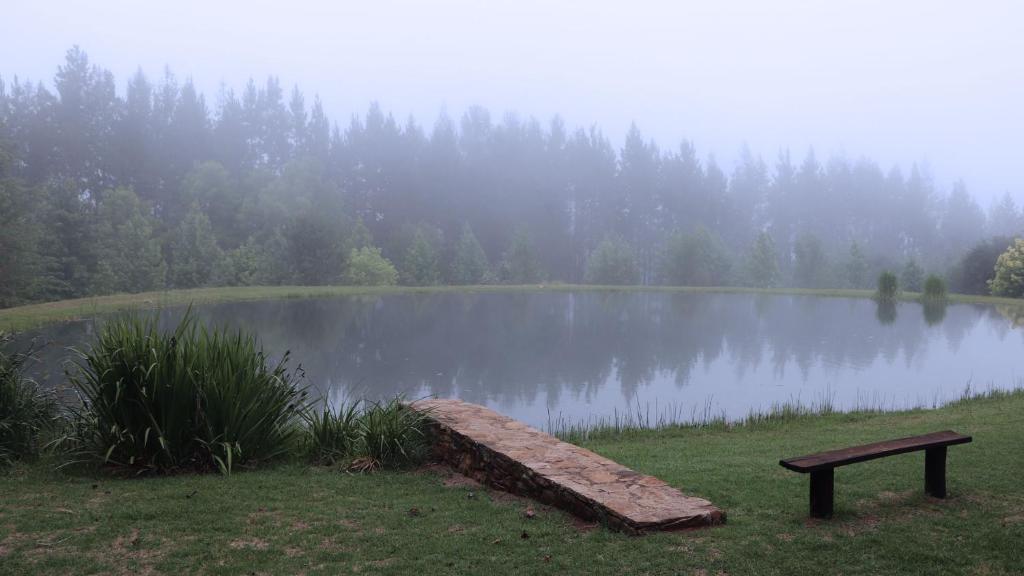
822 482
935 471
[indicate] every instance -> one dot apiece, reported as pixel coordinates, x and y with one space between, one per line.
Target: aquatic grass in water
644 418
190 399
26 411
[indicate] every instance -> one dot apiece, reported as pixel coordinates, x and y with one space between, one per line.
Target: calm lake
543 355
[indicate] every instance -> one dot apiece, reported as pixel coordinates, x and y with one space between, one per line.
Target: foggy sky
937 81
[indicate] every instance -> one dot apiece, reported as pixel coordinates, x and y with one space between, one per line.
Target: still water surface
538 356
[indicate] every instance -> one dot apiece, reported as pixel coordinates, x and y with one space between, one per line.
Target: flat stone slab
509 455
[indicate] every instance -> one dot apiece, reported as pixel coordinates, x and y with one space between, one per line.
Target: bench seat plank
833 458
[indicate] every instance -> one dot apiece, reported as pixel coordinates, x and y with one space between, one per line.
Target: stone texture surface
512 456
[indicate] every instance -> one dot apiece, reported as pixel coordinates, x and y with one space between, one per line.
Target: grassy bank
297 519
35 315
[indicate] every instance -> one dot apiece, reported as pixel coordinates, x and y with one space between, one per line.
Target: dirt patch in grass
249 544
373 565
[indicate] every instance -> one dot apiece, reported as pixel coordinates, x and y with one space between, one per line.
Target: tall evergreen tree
194 252
763 263
470 265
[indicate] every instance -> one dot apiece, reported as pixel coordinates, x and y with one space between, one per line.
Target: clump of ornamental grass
934 289
888 287
27 411
368 436
191 399
332 434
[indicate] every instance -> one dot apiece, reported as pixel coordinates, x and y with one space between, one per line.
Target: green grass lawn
300 520
35 315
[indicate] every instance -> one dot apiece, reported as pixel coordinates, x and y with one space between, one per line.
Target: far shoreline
32 316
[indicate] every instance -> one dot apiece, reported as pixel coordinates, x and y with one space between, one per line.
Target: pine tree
420 266
856 267
810 265
912 277
763 263
194 251
520 265
129 251
470 264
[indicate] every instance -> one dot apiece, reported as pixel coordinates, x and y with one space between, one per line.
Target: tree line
158 187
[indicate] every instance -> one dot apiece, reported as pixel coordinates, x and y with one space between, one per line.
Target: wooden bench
822 465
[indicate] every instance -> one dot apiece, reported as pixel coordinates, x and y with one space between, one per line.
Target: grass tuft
27 411
367 436
189 399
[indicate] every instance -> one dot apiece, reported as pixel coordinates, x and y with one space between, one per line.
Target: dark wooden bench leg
935 471
821 492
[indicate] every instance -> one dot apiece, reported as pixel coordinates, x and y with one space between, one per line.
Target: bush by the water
1009 272
612 263
888 286
26 411
934 288
368 435
189 399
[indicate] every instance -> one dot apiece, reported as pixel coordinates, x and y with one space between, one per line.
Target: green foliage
1009 278
912 277
128 249
194 251
316 247
20 234
366 267
420 265
810 266
26 411
612 263
367 436
976 269
211 187
888 287
190 525
856 267
243 266
390 435
331 435
521 265
191 399
697 259
763 263
470 265
934 288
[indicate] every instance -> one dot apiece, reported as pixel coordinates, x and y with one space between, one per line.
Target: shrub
331 435
934 288
366 267
26 411
191 399
696 259
612 263
1009 278
975 270
888 286
368 436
